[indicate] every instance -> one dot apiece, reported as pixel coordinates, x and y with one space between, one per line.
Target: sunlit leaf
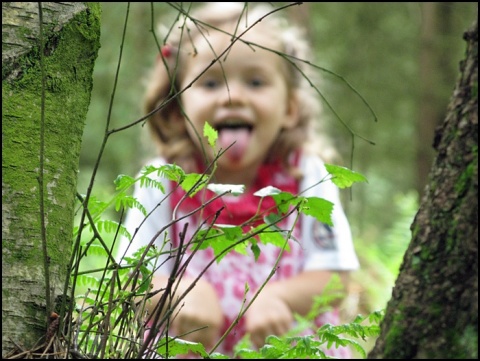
178 346
344 177
211 134
193 182
267 191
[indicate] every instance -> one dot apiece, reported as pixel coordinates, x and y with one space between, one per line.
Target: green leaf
181 347
193 182
171 171
108 226
319 208
123 182
274 237
211 134
284 200
272 234
255 250
220 239
151 183
344 177
122 200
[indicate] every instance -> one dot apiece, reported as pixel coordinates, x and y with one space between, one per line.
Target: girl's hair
171 134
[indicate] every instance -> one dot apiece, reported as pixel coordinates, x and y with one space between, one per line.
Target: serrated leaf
272 235
211 134
319 208
220 239
284 200
344 177
275 238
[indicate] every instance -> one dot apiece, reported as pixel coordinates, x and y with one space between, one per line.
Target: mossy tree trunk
70 34
433 312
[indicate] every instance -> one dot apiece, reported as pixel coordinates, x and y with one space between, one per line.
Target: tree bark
433 312
70 35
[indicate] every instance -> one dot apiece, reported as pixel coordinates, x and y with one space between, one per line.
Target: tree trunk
71 34
433 312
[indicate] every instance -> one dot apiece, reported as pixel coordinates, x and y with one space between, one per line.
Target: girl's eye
210 83
256 82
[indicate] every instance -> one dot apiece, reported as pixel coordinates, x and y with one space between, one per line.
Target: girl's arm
298 291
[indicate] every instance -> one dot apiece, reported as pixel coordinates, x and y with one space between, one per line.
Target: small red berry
166 51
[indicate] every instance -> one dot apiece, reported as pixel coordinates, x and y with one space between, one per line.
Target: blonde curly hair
163 88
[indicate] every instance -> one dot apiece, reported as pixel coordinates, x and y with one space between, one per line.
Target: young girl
265 113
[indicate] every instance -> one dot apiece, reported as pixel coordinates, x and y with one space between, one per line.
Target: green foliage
113 304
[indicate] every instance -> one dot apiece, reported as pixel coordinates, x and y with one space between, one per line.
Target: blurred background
403 58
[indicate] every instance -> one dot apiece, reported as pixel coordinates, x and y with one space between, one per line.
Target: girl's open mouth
235 136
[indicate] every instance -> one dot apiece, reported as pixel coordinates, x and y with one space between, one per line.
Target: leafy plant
110 316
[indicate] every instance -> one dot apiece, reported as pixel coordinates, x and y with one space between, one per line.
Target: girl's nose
233 94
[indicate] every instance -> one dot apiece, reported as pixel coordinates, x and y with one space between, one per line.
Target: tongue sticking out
238 136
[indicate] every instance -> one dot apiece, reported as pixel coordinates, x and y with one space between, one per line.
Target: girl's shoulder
151 169
316 180
155 162
311 164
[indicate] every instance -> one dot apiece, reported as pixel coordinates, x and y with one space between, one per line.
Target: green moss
469 342
68 65
465 178
425 254
395 332
416 262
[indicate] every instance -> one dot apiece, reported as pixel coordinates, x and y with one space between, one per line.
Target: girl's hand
199 308
268 315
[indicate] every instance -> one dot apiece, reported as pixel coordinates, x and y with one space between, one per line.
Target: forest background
403 58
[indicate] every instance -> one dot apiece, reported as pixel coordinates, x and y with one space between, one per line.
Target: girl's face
244 96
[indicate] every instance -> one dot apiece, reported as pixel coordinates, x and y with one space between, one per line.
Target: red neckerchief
236 209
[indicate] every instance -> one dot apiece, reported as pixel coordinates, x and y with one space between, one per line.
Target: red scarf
237 209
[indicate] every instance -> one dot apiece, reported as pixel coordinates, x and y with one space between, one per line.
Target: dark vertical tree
433 312
46 85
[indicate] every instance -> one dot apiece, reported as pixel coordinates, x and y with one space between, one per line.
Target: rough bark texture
71 37
433 312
